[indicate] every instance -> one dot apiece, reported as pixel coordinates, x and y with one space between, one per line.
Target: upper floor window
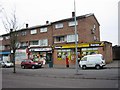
60 39
43 42
72 23
43 29
23 44
95 37
7 37
1 38
71 38
2 47
23 33
93 29
34 42
33 31
60 25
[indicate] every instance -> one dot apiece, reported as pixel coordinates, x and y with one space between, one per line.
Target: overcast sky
37 12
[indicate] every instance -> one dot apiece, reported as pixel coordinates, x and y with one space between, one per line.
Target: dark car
27 63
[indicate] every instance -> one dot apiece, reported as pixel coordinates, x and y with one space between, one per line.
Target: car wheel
97 66
33 67
23 67
84 67
5 66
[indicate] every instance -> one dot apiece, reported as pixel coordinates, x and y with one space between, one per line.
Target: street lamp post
76 38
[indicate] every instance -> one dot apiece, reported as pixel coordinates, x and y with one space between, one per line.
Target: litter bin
50 64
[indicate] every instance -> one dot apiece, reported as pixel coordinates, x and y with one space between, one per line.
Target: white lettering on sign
41 49
94 45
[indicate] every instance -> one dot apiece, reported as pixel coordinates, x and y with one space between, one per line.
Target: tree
11 26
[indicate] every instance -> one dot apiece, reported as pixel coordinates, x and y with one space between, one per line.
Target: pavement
113 64
60 71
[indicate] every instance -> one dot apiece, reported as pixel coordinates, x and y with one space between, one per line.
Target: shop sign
94 44
41 49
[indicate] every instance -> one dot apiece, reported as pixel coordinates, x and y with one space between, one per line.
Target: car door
27 63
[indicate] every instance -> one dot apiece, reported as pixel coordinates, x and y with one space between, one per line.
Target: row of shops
57 53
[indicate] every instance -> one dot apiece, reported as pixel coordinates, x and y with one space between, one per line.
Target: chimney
47 22
73 14
26 25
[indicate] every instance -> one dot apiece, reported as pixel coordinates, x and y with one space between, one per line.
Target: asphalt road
59 78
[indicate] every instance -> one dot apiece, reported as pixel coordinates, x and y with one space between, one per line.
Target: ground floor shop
61 51
56 55
40 52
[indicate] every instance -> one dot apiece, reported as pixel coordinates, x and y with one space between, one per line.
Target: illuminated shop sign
41 49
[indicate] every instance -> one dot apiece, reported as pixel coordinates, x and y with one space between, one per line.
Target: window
23 33
60 39
34 42
43 29
1 38
7 37
95 38
84 59
24 44
71 38
72 23
43 42
60 25
2 47
33 31
93 29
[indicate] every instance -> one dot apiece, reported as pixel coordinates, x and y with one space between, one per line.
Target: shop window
89 51
61 54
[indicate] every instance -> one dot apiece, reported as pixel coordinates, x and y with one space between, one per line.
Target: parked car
27 63
6 64
95 60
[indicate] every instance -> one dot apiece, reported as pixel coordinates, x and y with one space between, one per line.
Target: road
59 78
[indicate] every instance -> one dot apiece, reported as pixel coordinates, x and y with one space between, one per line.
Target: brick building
55 40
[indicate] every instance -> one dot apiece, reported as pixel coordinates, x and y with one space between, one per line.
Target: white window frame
71 38
33 42
59 25
1 38
62 39
33 31
23 33
7 37
72 23
43 42
43 29
2 47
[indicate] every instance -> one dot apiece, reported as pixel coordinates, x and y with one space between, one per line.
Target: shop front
39 52
61 51
5 55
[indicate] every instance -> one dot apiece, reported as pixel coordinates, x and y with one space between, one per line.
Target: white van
95 60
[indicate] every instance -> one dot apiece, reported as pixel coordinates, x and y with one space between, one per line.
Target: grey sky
37 12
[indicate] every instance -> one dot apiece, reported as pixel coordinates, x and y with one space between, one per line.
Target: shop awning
3 53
